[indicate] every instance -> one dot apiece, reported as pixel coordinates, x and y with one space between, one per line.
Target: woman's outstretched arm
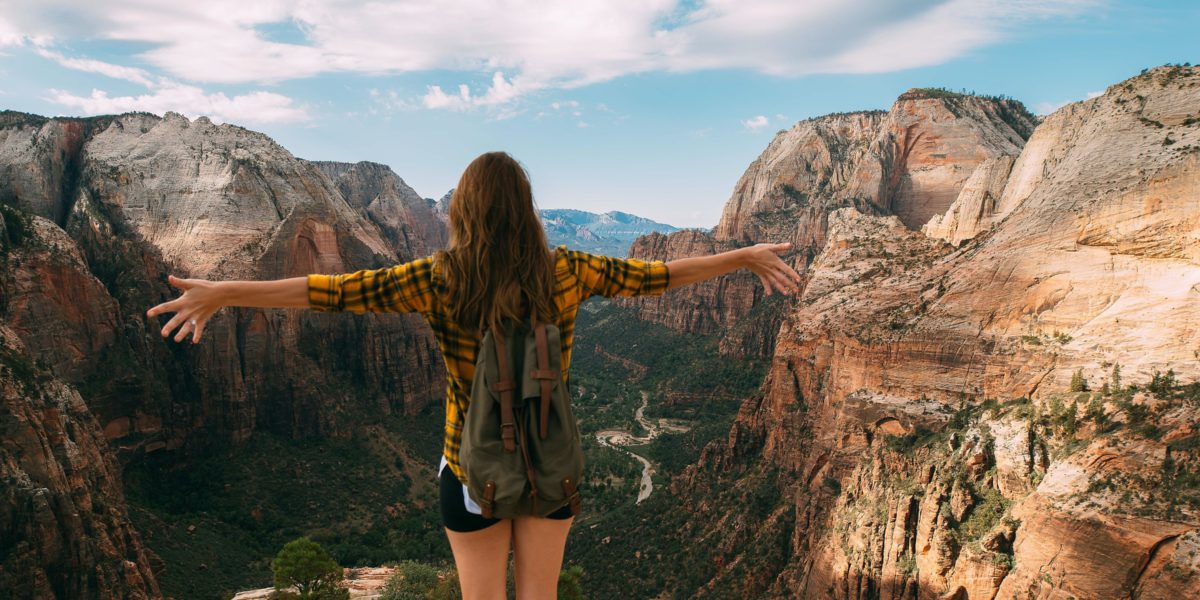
762 259
201 299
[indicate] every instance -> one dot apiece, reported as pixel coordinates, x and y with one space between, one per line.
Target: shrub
412 581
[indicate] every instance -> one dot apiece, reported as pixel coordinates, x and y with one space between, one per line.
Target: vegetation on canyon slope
216 523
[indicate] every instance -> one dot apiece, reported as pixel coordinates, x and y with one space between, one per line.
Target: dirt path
620 439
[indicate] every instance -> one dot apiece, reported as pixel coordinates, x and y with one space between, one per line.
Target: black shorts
455 515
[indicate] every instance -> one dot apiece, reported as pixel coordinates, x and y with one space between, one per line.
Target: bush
305 565
419 581
412 581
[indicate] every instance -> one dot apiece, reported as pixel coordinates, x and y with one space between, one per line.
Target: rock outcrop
919 411
912 161
63 521
407 221
139 197
96 212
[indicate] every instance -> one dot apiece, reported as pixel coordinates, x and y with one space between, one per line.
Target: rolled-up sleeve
406 287
610 277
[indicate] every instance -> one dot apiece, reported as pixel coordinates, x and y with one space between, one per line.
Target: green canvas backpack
520 447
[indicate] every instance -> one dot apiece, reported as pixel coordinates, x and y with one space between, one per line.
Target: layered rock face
63 521
407 220
1081 260
912 161
96 213
143 196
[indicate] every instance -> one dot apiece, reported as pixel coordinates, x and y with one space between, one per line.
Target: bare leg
538 546
482 560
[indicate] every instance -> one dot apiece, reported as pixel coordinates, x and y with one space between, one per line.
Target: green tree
304 564
569 587
1115 378
1078 382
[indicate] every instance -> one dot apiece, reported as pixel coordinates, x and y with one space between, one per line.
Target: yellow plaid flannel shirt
417 286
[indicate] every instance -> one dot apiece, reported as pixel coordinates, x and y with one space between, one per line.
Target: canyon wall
97 213
995 412
912 161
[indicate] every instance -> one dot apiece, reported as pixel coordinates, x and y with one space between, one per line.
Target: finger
782 280
780 283
785 276
182 284
175 321
165 307
200 323
784 247
787 269
766 284
183 331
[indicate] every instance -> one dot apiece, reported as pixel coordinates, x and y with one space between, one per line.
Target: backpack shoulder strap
542 372
505 386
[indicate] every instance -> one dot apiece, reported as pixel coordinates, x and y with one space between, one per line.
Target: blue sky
653 107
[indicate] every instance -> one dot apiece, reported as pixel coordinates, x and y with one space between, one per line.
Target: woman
498 263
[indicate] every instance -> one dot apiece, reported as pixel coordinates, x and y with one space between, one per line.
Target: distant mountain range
609 233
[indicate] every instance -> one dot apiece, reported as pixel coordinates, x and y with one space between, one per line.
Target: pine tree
1078 382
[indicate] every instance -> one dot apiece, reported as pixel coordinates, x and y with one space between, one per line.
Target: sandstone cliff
912 161
98 211
408 221
918 423
63 521
140 197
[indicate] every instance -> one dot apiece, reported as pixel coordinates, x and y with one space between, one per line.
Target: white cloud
253 107
539 44
501 91
133 74
755 123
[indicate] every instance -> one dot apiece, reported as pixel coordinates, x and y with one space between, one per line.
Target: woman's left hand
775 274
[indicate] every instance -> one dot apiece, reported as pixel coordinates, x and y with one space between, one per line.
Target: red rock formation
406 220
63 520
105 208
912 161
1089 261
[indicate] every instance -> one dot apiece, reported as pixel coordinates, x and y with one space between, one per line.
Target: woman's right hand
775 274
199 302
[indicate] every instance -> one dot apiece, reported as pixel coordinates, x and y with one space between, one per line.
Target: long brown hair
499 262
